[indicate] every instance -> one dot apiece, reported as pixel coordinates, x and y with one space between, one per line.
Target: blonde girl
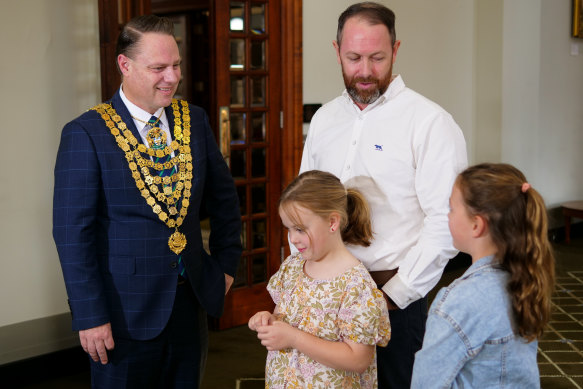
482 330
329 315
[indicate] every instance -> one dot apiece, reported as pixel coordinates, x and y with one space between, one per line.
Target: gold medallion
177 242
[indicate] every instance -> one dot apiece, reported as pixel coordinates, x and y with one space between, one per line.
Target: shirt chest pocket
385 160
492 356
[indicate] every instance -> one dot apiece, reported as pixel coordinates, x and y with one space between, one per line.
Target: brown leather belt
381 277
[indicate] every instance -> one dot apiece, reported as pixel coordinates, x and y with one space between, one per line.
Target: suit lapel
170 117
126 117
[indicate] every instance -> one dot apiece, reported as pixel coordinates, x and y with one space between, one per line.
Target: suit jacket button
173 264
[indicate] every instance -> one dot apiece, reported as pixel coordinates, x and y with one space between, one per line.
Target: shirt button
353 142
173 264
347 167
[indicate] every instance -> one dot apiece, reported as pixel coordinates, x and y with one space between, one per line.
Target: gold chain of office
149 123
159 191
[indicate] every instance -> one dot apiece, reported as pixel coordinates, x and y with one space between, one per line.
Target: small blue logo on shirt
378 147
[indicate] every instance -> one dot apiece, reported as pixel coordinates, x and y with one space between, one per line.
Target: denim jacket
471 341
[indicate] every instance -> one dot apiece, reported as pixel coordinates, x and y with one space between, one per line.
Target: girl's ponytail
358 229
532 271
323 193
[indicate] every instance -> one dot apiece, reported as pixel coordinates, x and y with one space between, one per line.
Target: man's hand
96 341
228 282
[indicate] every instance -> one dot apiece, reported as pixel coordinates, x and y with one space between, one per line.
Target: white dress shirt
403 152
143 128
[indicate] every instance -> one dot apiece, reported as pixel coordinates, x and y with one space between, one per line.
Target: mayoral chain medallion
169 195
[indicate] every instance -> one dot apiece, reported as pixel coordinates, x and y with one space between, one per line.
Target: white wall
485 144
49 74
542 127
502 68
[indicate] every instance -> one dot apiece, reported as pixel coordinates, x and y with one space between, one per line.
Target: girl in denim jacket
482 330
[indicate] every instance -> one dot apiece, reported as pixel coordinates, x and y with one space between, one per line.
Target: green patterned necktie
160 145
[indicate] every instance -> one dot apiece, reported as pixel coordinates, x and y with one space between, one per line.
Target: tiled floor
560 355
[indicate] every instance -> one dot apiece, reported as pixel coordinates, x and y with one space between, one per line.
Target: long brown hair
323 193
517 222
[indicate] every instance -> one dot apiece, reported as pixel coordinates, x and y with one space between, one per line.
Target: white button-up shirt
144 116
403 152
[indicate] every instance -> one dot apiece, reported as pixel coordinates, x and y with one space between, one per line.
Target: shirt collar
139 113
395 87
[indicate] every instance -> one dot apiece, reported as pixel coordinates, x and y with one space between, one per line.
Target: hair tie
525 187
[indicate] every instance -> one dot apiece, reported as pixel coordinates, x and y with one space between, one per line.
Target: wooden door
248 68
242 63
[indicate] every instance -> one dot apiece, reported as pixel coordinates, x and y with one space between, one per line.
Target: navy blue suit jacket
113 248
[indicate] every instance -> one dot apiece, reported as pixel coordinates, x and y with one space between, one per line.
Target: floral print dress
348 306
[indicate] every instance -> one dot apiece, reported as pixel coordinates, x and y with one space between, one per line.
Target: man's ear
395 49
337 49
123 63
479 227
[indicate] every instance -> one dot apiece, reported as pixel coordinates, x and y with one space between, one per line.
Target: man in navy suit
133 178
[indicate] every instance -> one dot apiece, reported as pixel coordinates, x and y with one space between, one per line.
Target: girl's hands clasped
262 318
274 334
277 335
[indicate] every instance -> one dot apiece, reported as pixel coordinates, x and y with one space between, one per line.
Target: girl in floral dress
329 314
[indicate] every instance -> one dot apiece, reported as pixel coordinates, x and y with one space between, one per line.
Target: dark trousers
173 359
395 362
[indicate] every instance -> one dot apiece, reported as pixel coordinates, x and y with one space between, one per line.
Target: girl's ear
479 227
334 221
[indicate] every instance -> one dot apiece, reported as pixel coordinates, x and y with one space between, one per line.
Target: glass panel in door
249 84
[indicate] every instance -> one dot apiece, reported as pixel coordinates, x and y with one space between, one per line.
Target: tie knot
153 120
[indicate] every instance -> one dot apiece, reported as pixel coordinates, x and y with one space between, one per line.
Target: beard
370 95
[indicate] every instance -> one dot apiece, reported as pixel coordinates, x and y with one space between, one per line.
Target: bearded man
403 152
